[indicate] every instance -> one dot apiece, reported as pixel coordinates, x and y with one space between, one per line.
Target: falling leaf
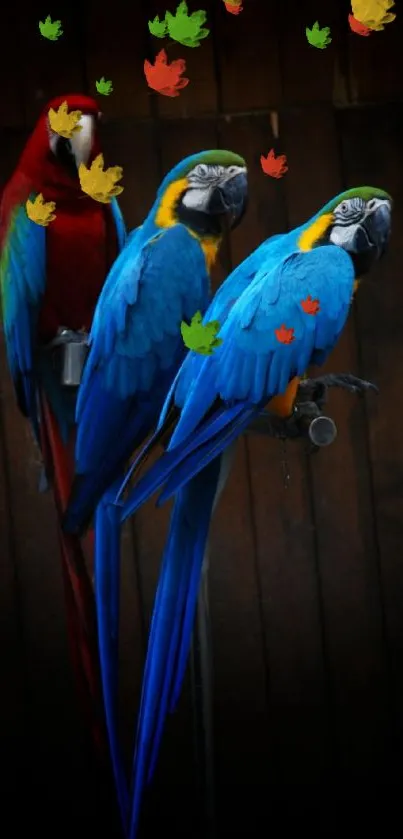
50 29
274 166
373 13
64 122
317 37
157 27
234 7
186 29
40 211
285 335
166 78
358 27
104 87
309 306
199 337
100 184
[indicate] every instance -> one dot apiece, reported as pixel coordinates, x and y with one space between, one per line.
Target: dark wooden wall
306 584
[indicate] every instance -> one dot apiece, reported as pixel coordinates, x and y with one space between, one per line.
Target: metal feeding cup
73 349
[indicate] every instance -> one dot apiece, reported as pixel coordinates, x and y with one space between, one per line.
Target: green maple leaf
104 87
187 29
199 337
157 27
319 38
50 29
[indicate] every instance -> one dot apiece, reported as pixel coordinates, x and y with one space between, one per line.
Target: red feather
81 247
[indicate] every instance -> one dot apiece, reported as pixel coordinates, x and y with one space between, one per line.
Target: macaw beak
374 231
82 141
230 198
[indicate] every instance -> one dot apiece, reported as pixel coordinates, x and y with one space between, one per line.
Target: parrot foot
317 387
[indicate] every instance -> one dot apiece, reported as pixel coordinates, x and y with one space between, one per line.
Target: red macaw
50 280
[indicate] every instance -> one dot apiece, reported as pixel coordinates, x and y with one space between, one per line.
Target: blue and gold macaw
280 311
160 279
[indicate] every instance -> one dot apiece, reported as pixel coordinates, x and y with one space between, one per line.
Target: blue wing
252 365
135 349
22 280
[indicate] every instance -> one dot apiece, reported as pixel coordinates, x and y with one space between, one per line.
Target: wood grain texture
342 503
381 354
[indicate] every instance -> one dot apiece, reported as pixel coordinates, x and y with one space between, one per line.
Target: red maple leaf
276 167
310 307
358 27
285 335
233 7
165 78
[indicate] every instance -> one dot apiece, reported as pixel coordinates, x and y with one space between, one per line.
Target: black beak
65 156
374 231
230 199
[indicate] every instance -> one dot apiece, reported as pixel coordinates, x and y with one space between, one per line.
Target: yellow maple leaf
40 211
64 122
373 13
100 184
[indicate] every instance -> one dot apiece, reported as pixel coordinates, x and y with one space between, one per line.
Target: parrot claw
346 381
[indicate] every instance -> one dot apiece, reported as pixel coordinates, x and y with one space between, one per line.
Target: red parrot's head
80 148
51 161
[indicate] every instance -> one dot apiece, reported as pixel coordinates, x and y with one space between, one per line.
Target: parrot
135 348
50 278
281 310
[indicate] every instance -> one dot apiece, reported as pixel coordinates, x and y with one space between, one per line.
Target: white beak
82 141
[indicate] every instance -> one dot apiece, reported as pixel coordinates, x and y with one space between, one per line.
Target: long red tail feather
79 593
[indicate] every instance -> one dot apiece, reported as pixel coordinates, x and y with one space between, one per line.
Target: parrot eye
344 207
202 170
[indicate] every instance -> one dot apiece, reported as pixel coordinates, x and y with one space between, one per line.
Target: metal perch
307 421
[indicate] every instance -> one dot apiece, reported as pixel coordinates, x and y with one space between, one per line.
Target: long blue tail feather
107 580
166 465
172 623
201 457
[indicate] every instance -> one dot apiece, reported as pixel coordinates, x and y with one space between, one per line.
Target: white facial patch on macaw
203 180
349 217
81 142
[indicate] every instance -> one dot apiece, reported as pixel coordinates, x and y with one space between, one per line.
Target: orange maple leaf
234 7
310 307
163 77
276 167
285 335
358 27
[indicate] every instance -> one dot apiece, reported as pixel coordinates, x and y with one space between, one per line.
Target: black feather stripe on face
349 212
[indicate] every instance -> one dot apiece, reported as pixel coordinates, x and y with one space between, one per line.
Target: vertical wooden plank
199 97
13 698
308 73
295 749
247 55
378 160
132 145
11 113
116 45
51 68
343 511
376 64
